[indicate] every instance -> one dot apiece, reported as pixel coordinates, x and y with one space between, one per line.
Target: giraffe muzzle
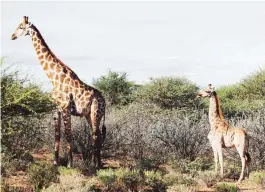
13 37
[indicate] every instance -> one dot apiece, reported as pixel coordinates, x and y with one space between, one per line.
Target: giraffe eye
21 27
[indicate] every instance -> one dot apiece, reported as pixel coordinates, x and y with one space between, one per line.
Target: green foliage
130 178
42 174
182 188
210 178
147 164
257 178
68 171
21 97
244 97
232 169
121 179
115 87
169 92
22 105
253 86
10 165
107 177
154 179
178 179
198 165
226 187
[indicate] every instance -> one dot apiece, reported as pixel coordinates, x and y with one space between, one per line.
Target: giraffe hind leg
96 140
242 155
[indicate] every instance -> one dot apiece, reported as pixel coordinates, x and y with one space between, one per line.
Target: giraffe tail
104 130
248 157
247 153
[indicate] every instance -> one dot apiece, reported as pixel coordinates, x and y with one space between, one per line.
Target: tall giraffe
70 94
222 135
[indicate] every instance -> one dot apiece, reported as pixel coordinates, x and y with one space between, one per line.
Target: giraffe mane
219 111
48 48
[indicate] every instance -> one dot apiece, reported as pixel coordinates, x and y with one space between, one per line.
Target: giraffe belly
80 112
228 142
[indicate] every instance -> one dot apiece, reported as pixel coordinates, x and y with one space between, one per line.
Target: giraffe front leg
215 159
68 134
221 160
57 128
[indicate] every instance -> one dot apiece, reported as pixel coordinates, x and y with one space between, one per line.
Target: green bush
130 178
210 178
226 187
154 179
42 174
257 178
232 170
180 188
23 104
244 97
116 88
168 93
121 179
178 179
199 164
107 177
147 164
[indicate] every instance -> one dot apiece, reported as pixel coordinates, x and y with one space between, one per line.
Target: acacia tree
169 93
244 97
23 104
116 87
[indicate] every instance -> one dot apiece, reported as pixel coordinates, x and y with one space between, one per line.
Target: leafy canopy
169 92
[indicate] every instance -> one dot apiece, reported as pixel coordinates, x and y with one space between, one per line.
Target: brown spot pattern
44 50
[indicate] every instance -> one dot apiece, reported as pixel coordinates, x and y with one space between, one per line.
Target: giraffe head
207 92
23 28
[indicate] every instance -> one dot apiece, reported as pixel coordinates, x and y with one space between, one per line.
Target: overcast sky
218 42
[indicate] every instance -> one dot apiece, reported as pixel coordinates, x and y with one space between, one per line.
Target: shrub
147 164
10 164
130 178
244 97
178 179
116 88
67 171
198 165
154 180
210 178
107 177
178 134
42 174
226 187
23 104
232 170
169 93
257 178
182 188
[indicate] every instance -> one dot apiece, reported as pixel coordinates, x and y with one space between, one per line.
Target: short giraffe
70 94
222 135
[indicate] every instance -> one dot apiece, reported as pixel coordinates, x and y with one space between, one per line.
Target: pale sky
208 42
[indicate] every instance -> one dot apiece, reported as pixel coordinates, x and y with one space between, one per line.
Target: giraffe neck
55 69
215 113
